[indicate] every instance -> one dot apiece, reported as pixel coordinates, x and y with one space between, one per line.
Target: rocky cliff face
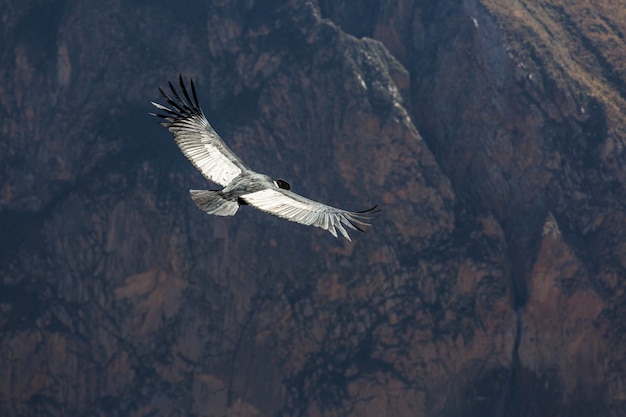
491 283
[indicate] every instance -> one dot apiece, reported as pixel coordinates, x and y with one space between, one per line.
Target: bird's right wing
196 138
291 206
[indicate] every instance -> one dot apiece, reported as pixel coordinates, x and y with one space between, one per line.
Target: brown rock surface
491 284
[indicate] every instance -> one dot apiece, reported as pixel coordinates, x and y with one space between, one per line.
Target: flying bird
242 186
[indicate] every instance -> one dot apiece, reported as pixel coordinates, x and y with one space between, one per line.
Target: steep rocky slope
490 284
522 104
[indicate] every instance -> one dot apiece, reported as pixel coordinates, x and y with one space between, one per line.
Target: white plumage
218 163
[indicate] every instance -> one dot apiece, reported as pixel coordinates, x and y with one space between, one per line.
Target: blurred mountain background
490 132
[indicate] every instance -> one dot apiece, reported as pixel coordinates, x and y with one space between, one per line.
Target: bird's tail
214 203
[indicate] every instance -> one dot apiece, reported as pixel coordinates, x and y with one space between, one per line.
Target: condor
242 186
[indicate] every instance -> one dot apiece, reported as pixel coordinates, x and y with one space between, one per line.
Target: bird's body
242 186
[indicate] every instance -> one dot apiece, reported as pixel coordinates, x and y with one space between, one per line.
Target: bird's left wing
196 138
291 206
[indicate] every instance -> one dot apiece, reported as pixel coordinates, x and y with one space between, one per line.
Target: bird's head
282 184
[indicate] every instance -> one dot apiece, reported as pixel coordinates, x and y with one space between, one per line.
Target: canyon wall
491 283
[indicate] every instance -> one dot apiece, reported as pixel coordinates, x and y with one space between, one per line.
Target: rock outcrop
490 284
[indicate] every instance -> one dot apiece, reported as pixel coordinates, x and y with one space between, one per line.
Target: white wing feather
196 138
294 207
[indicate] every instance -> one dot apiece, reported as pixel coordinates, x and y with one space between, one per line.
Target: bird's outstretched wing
196 138
294 207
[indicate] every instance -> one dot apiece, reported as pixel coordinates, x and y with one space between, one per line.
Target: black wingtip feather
195 96
358 219
164 94
180 100
181 108
184 88
171 102
356 226
370 210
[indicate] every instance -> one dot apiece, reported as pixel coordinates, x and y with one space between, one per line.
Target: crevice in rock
511 398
